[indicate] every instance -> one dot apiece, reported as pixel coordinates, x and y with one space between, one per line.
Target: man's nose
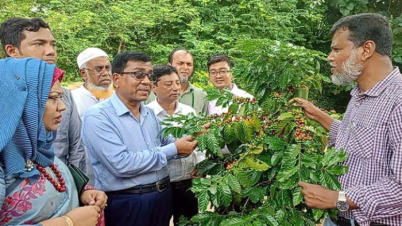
50 50
176 86
330 57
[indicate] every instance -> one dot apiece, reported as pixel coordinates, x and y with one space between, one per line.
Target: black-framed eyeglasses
99 69
221 72
139 75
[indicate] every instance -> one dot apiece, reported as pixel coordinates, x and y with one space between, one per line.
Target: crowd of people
110 129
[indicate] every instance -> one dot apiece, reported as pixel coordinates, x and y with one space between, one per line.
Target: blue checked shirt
371 132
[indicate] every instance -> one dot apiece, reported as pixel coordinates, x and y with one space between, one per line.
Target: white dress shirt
213 109
84 99
179 169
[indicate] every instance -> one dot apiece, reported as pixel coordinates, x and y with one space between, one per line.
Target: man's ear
84 74
116 80
12 51
368 50
154 87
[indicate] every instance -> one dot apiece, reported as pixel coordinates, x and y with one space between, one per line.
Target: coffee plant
269 148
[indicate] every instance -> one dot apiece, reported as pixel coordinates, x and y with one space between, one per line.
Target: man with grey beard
96 71
371 130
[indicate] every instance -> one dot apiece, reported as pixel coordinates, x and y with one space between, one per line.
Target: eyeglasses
221 72
99 69
139 75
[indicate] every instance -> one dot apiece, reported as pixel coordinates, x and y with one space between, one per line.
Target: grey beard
351 72
92 87
183 80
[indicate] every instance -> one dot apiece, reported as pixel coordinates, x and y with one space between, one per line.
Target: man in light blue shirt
129 155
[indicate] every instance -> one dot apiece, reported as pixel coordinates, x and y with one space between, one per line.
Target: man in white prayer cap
96 71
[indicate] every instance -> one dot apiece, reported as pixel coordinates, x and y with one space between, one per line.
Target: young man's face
220 75
40 44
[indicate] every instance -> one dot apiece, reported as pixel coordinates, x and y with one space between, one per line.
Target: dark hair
367 26
120 60
12 30
170 59
219 58
161 70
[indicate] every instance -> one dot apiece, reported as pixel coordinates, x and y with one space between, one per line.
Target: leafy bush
272 147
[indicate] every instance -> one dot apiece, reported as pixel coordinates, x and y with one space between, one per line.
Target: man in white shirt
181 171
219 66
96 71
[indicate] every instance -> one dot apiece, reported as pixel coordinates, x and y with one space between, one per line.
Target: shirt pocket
365 140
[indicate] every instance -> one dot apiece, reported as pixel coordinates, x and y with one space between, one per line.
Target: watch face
342 206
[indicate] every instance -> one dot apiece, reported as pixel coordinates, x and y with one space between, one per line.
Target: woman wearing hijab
36 188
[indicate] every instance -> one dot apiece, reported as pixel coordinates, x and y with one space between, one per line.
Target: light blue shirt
125 152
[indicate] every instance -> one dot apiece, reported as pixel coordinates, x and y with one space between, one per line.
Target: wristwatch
342 203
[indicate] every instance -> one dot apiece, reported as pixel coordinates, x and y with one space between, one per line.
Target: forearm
325 120
59 221
379 200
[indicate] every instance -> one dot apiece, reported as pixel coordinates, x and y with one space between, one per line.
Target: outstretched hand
313 112
309 109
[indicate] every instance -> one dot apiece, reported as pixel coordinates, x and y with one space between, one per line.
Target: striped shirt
371 132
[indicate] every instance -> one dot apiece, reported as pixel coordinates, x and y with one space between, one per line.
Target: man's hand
318 197
185 145
313 112
94 198
309 109
194 174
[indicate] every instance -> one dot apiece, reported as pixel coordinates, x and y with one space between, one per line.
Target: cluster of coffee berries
242 100
278 95
301 132
230 165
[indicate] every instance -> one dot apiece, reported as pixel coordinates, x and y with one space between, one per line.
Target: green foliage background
255 33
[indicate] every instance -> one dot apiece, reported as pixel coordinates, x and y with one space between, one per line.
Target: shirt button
17 77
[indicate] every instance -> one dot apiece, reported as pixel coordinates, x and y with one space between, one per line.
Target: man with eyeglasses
167 89
128 153
219 66
96 71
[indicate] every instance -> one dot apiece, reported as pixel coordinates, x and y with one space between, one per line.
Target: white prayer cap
89 54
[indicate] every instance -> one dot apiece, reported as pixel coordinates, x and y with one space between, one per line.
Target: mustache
147 88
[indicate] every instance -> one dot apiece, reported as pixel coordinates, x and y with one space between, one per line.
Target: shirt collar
234 89
122 109
378 88
189 89
160 110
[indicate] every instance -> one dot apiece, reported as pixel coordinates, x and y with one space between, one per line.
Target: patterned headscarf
24 89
